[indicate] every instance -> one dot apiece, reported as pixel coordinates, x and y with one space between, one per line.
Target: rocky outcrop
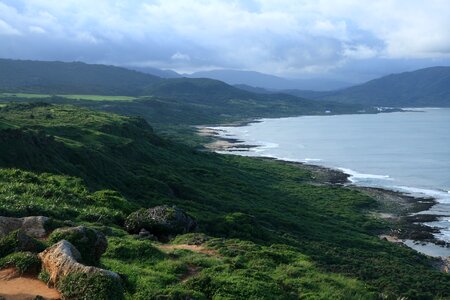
18 241
445 264
62 258
32 226
90 242
160 221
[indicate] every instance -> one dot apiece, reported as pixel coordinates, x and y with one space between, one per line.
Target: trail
194 248
15 287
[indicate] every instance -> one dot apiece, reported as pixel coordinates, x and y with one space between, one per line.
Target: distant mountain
156 72
71 78
198 88
424 87
266 81
253 89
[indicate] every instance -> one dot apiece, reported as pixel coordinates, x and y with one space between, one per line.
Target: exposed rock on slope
62 258
32 226
90 242
18 241
161 221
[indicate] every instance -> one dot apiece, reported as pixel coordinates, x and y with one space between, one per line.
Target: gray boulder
32 226
161 221
18 241
90 242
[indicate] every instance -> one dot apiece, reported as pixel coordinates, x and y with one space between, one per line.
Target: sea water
405 151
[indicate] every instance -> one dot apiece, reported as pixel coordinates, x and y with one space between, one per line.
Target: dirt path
14 287
194 248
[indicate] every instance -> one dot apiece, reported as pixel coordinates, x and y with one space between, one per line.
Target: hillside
422 88
267 81
275 232
70 78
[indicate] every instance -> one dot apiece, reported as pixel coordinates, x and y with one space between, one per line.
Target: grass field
277 233
73 97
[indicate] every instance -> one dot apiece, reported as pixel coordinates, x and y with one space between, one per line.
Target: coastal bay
408 175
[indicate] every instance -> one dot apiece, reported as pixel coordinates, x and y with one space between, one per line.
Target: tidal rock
32 226
90 242
160 221
63 258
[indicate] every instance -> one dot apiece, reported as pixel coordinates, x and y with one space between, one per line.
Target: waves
356 177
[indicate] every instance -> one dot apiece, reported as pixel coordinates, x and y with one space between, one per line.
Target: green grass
277 234
11 96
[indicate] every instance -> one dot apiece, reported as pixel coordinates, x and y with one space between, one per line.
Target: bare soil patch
16 287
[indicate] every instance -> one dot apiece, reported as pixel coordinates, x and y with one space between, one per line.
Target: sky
348 40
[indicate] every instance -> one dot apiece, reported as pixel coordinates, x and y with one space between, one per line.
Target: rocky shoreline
399 209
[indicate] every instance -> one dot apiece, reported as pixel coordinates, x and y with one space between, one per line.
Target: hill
156 72
267 81
70 78
195 101
274 231
422 88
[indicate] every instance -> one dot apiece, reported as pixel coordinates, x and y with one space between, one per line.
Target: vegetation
23 262
173 102
428 87
42 77
18 241
84 240
273 234
94 286
73 97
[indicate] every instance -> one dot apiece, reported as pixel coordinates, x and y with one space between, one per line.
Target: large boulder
90 242
18 241
32 226
75 280
161 221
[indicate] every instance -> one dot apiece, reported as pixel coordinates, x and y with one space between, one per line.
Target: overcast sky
350 40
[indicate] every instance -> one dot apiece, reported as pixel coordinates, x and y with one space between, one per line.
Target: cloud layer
290 38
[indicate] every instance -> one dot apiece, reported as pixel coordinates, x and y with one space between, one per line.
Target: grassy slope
12 96
290 234
422 88
43 77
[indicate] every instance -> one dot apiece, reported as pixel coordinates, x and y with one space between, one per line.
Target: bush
22 261
19 241
93 286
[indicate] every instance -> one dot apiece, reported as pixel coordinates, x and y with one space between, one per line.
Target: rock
161 221
144 234
32 226
62 258
18 241
90 242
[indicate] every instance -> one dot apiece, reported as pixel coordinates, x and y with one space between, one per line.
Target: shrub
19 241
93 286
22 261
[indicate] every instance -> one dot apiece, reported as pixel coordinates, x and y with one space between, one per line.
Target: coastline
399 209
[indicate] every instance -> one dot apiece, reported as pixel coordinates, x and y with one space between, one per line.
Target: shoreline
400 209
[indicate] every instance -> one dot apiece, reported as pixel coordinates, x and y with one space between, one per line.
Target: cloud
36 29
284 37
6 29
180 56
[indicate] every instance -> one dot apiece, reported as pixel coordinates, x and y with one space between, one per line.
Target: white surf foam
308 160
357 177
440 196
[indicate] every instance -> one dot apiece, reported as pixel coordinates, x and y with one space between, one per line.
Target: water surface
407 151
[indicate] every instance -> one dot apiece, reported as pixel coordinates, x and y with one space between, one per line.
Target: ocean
403 151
